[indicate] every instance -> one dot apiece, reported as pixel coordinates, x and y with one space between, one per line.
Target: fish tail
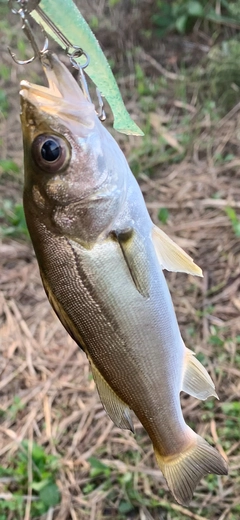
183 472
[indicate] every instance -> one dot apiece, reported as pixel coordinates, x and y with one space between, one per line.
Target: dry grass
39 363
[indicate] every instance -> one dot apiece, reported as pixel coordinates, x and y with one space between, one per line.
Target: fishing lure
69 21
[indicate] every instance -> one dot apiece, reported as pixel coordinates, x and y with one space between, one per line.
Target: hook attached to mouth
73 51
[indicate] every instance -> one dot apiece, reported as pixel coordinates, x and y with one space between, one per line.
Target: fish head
65 160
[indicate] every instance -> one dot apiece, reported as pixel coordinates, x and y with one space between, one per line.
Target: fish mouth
63 97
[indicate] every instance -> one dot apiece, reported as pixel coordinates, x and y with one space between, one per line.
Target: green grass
214 84
182 15
4 104
107 478
12 220
45 492
7 166
163 215
235 221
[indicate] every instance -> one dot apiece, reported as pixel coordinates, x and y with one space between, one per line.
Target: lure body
71 23
101 260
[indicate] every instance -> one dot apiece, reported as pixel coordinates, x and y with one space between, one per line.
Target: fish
68 19
101 261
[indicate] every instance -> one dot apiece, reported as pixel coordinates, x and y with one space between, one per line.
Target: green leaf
98 468
231 213
37 486
7 165
3 102
125 507
229 157
126 477
162 21
14 216
97 464
50 495
163 215
195 9
232 408
215 340
88 488
236 228
6 471
5 72
181 23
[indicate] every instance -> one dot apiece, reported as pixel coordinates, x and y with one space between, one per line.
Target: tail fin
183 472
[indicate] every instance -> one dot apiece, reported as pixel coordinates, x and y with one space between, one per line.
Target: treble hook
80 67
23 13
78 51
26 6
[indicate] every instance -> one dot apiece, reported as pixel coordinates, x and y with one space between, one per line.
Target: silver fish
101 259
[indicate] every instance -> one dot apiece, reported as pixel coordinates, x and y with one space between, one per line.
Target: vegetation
44 490
182 15
177 64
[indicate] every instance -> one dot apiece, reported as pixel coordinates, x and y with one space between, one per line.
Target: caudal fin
183 472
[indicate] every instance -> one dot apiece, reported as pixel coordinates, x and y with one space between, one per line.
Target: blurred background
178 68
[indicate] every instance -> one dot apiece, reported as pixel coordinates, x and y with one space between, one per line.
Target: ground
53 430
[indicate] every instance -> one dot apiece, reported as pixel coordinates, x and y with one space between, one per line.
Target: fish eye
51 153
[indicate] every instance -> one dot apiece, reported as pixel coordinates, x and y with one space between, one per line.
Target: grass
214 84
182 15
12 220
60 454
235 221
42 489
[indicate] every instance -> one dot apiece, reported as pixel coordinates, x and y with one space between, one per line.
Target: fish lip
61 86
62 99
35 93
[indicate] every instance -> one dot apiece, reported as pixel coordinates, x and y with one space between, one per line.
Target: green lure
70 22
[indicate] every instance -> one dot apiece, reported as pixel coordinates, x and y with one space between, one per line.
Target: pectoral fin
196 381
135 257
171 256
117 410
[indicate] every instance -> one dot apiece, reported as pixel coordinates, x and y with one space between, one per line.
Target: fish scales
87 309
101 261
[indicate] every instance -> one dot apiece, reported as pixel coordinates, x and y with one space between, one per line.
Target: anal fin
117 410
196 381
171 256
